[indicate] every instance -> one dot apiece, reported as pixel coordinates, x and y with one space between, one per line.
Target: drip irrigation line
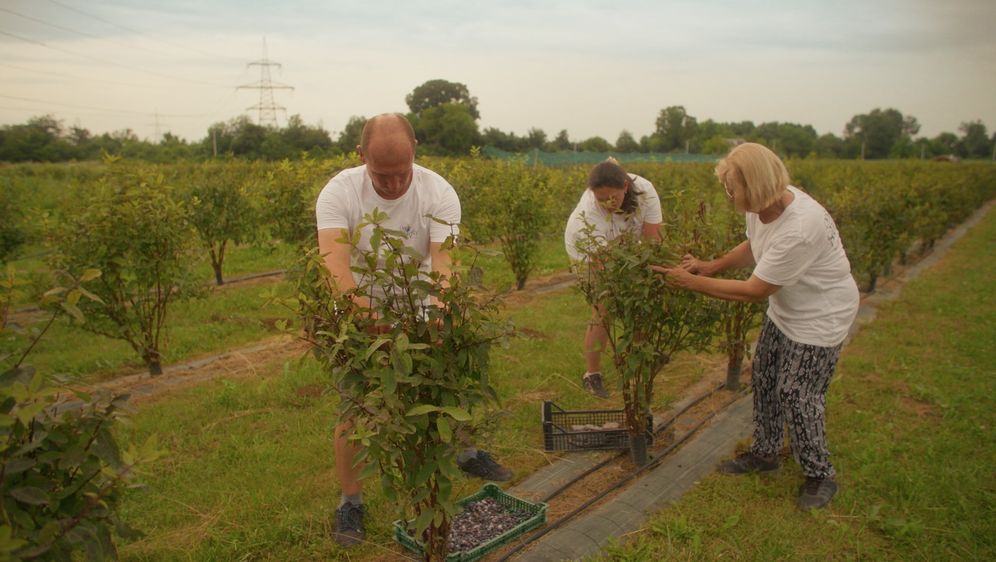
650 464
251 276
657 431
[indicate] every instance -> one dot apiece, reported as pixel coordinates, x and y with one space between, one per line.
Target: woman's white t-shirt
609 225
801 251
350 195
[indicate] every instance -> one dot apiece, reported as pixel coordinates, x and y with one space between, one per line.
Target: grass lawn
911 416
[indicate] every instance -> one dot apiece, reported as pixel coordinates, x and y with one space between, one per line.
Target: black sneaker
484 466
593 384
748 463
349 524
816 493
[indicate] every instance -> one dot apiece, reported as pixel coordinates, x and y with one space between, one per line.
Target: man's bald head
387 147
391 127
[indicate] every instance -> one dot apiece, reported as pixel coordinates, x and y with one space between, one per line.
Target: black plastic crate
587 430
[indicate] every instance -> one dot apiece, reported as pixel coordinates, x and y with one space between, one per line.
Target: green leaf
423 520
27 413
29 495
443 425
73 311
422 409
388 380
8 543
402 362
459 414
107 450
374 347
89 275
17 466
401 343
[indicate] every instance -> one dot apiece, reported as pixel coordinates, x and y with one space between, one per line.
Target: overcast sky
592 68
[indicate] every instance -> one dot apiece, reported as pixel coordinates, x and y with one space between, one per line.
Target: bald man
390 181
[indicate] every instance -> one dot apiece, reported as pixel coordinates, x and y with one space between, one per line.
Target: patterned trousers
790 382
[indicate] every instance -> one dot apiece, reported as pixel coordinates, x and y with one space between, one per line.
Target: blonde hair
758 174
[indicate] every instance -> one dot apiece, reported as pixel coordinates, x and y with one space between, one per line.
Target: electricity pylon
266 108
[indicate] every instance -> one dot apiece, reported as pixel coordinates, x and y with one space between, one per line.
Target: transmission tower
266 108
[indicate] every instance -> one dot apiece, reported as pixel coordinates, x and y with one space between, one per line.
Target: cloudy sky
592 68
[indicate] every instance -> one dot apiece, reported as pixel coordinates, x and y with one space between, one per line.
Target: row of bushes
145 226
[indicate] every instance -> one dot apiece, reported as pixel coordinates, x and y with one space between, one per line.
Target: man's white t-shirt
609 225
801 251
350 195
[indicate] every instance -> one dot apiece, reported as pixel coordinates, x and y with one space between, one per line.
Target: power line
70 76
103 61
105 110
140 33
76 31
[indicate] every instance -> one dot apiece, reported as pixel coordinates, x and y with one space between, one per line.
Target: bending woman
801 269
615 202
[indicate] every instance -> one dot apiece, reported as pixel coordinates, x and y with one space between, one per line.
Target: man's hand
676 276
694 265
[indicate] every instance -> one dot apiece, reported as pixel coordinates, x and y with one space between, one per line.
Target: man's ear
360 152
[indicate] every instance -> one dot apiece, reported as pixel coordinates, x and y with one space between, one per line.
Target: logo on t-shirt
408 230
832 236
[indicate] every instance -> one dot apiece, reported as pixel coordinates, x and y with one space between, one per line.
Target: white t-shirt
350 195
801 251
609 225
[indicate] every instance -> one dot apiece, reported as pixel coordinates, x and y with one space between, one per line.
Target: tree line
445 117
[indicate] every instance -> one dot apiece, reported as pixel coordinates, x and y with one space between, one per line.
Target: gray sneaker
816 493
349 524
593 383
748 463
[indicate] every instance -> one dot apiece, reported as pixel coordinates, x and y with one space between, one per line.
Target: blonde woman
614 202
801 269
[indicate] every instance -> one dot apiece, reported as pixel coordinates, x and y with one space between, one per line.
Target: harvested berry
482 521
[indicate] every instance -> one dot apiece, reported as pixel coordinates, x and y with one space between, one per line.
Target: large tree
974 142
40 139
447 129
595 144
789 139
501 140
882 130
627 143
675 128
438 92
535 138
561 141
349 138
302 137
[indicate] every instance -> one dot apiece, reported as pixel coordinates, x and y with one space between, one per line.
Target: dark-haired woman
614 202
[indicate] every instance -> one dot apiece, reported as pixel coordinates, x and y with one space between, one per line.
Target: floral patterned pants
790 382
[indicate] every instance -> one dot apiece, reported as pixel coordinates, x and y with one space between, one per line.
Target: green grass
224 319
911 418
249 259
550 258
